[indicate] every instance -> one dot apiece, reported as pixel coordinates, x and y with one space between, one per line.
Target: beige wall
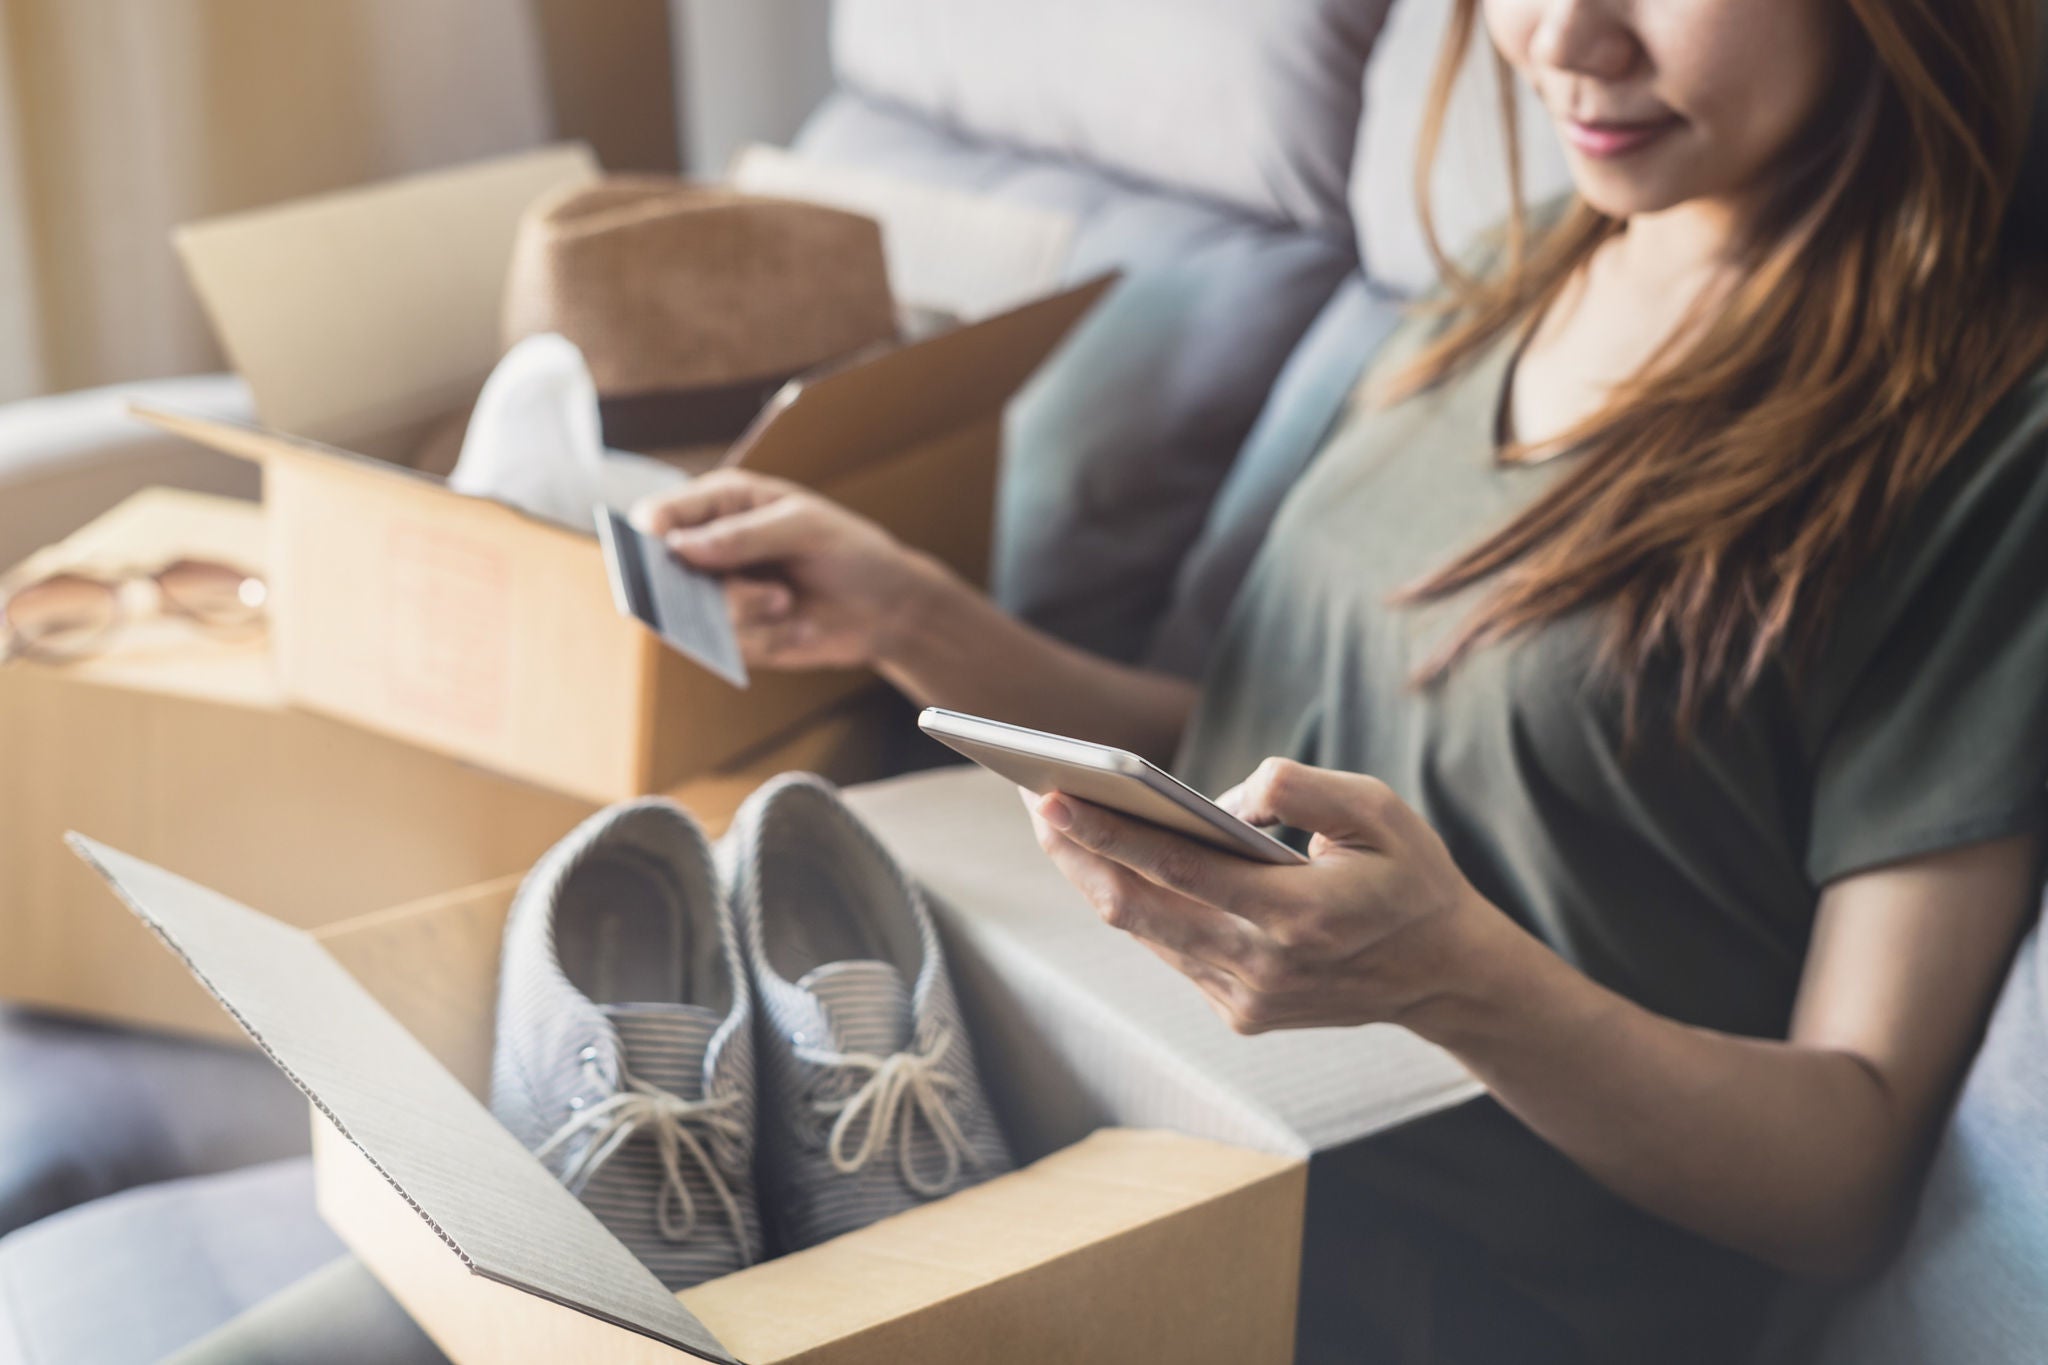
751 71
121 118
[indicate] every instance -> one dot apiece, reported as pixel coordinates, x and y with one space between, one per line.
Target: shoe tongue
666 1045
866 1006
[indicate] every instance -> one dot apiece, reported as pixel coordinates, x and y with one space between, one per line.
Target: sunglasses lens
62 615
214 594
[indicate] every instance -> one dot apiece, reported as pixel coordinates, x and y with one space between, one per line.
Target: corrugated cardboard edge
471 1317
85 849
647 691
355 1202
260 445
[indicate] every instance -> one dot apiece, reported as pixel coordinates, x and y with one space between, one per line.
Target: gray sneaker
625 1052
870 1100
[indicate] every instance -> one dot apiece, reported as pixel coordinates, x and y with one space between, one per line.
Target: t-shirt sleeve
1938 736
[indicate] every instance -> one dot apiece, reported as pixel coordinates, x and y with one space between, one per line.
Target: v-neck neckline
1505 362
1500 388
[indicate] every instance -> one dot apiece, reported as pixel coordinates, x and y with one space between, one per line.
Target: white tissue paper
535 442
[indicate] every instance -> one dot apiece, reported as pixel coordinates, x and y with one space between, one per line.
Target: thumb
1345 808
779 531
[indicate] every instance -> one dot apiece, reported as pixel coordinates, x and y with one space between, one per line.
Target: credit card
684 607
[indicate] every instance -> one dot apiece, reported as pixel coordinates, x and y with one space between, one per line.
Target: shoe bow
674 1123
898 1090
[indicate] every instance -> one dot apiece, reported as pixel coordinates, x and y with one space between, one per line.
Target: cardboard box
1092 1029
1123 1246
363 321
181 747
1089 1029
1107 1245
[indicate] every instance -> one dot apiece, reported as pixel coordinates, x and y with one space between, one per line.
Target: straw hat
693 305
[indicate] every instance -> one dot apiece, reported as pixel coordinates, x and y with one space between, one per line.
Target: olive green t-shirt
1684 877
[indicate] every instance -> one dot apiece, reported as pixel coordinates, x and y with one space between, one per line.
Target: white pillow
1470 180
1253 103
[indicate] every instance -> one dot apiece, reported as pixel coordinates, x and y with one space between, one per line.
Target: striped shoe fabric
625 1049
870 1101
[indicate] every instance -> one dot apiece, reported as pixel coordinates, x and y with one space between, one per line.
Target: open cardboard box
364 321
1125 1245
180 747
1159 1214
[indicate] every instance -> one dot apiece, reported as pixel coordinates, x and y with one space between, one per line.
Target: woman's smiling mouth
1608 139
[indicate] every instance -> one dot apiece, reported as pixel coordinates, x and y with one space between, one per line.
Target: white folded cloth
535 442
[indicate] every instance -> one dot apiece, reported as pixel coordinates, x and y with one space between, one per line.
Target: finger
1164 919
758 601
721 493
764 535
1155 915
1351 809
1174 861
780 644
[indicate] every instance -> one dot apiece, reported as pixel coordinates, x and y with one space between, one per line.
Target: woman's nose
1586 38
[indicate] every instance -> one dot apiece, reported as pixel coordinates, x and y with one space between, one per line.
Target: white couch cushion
66 458
1254 104
1470 182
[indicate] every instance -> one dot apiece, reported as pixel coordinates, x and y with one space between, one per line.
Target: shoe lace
897 1090
674 1123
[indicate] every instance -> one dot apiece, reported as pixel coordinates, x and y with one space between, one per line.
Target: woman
1657 666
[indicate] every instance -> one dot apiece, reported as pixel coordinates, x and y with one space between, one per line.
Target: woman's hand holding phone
809 583
1378 924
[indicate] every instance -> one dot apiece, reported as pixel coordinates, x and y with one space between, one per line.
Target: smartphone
1111 778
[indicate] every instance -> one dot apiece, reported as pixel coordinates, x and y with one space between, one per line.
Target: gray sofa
1247 166
1232 227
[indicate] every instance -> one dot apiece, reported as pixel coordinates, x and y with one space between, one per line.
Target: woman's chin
1617 191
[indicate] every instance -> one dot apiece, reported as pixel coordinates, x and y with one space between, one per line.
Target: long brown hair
1731 492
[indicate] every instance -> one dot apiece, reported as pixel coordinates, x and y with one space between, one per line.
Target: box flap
261 446
1152 1052
829 426
819 431
495 1206
1110 1238
354 313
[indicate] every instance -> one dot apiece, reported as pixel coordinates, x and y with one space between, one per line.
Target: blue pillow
1117 447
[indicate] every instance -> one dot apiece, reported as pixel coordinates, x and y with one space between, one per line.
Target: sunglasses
70 614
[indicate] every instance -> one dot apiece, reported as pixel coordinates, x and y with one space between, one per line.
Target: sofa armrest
67 458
